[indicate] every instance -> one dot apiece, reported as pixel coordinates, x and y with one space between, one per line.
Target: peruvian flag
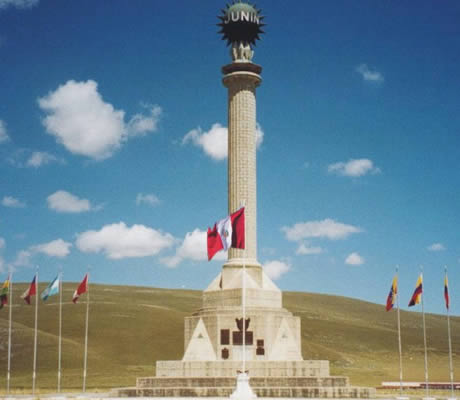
82 288
31 290
228 232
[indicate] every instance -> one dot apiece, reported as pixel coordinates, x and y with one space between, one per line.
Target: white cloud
140 125
369 75
84 124
354 259
215 142
23 259
149 199
18 3
65 202
118 241
305 249
3 134
2 243
327 228
39 158
354 168
436 247
275 269
193 247
23 157
9 201
56 248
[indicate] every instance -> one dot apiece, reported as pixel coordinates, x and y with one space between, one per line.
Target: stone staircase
300 379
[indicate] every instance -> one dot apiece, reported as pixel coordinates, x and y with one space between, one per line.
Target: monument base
288 379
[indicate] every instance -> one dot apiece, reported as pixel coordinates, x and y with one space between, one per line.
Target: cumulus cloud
119 241
80 120
140 124
368 75
436 247
18 3
23 157
65 202
194 248
12 202
327 228
306 249
354 259
56 248
149 199
3 134
22 259
354 168
215 141
39 158
275 269
2 243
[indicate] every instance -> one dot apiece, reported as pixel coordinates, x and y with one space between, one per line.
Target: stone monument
215 334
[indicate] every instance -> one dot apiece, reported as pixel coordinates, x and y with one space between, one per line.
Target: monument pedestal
213 349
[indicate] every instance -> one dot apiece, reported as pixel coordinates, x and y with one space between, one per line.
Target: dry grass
132 327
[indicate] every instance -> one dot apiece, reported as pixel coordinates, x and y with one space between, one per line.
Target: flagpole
8 375
86 335
244 297
34 374
399 337
451 368
424 339
244 309
60 332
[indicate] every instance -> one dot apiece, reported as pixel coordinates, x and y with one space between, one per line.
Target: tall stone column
242 79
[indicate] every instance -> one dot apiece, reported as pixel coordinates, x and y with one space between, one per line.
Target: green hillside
132 327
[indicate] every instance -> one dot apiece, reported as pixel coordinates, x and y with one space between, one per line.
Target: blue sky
113 154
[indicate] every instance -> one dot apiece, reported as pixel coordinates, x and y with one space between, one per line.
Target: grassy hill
132 327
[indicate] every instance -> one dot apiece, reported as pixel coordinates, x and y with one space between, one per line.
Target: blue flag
52 289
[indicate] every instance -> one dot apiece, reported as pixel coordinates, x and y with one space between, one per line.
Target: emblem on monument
241 24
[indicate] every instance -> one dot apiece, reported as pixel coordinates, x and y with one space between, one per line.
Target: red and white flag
228 232
82 288
31 290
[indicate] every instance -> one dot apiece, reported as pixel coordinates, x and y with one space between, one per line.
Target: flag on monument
392 295
4 293
446 291
52 289
417 296
228 232
82 288
31 291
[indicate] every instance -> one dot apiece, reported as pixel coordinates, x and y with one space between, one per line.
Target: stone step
294 392
256 382
304 368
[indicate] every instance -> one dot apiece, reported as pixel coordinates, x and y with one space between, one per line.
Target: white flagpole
399 334
86 334
424 339
60 332
243 301
34 374
244 307
8 375
451 368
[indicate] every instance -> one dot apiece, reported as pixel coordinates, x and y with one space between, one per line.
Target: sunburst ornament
241 23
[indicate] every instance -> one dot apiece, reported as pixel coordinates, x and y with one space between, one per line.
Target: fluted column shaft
242 183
